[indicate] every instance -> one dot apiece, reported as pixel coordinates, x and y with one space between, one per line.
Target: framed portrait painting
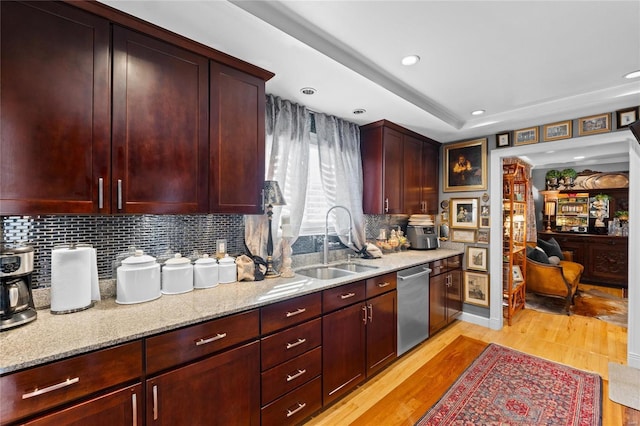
476 288
464 213
465 166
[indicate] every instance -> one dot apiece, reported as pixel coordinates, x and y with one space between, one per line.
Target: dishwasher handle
426 271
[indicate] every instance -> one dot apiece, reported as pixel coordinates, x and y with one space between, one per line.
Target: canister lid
138 258
177 259
205 260
226 260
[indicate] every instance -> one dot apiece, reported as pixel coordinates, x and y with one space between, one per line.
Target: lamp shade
272 193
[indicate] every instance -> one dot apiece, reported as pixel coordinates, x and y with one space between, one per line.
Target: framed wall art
626 117
463 235
465 166
503 140
476 288
464 213
517 274
525 136
557 131
594 124
482 236
477 258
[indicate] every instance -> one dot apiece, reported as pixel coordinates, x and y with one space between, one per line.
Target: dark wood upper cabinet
160 126
237 141
399 169
55 109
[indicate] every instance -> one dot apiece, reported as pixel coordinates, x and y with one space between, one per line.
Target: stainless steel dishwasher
413 307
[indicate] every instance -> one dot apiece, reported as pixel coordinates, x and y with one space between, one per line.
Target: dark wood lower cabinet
121 407
382 333
445 292
223 389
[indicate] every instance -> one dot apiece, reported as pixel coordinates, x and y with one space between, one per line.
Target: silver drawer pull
298 312
296 375
383 285
293 345
155 402
211 339
134 408
346 296
294 411
60 385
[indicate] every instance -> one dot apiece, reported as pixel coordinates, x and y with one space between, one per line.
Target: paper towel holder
65 305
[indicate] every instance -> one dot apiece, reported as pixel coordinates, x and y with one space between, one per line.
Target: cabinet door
412 183
430 182
437 307
121 407
392 172
237 141
54 141
220 390
454 295
160 126
382 331
608 261
343 351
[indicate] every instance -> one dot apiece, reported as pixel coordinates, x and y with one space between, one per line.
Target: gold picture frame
477 258
463 235
594 124
525 136
464 213
557 131
482 237
476 288
465 166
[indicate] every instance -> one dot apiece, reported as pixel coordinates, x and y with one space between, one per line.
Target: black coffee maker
16 300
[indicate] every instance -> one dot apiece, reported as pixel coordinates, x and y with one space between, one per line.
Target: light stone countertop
53 337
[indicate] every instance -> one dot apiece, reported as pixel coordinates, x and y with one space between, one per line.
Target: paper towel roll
74 279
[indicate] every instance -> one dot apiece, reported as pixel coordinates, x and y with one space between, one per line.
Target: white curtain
341 173
288 130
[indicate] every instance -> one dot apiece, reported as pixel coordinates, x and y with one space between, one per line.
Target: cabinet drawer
290 312
290 343
180 346
454 262
285 377
381 284
438 266
295 406
40 388
345 295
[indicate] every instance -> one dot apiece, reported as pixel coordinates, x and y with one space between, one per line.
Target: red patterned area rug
506 387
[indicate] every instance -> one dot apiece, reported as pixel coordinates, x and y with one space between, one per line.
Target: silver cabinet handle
297 312
364 314
262 204
134 408
386 205
370 312
100 193
294 344
347 296
48 389
211 339
291 377
155 402
383 285
298 408
119 194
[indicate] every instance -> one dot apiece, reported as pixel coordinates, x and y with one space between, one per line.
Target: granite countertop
53 337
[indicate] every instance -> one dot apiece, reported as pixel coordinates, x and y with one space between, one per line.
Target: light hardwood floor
584 343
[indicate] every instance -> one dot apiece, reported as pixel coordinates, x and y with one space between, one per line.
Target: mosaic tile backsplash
155 234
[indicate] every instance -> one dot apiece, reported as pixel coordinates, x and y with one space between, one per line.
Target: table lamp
549 210
272 197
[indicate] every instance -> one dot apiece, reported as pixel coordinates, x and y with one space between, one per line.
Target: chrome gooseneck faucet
326 232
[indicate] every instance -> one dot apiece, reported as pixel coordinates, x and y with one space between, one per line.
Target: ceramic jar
205 272
228 271
138 279
177 275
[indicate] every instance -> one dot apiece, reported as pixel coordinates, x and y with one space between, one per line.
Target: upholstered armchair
556 280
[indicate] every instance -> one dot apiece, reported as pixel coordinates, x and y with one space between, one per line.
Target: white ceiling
524 62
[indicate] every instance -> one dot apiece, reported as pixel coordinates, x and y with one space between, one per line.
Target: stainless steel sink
325 272
355 267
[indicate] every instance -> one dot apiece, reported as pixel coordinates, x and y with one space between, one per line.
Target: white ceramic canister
205 272
138 279
228 270
177 275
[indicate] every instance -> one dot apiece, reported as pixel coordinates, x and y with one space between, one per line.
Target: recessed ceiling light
634 74
358 111
410 60
478 112
308 91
